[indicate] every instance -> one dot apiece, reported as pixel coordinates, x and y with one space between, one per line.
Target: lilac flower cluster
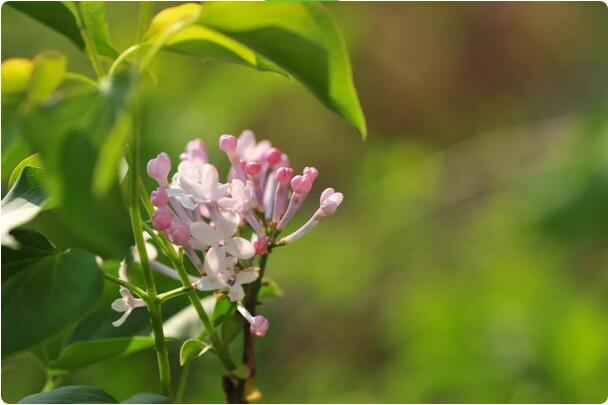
207 218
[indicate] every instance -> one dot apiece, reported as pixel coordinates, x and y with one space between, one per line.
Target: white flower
126 304
196 183
220 237
241 197
229 280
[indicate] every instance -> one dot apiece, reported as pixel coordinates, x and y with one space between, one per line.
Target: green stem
152 300
129 286
251 301
89 43
51 383
217 344
183 381
80 78
174 293
121 58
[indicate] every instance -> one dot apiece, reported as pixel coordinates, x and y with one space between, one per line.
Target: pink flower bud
179 233
259 325
284 175
261 246
253 168
196 151
159 197
228 143
161 219
301 185
311 172
273 156
330 201
159 167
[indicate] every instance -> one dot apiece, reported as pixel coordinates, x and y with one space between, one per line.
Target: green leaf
22 202
71 394
147 398
222 310
47 73
34 247
192 348
298 39
94 19
69 135
270 289
61 17
32 161
85 353
231 327
45 296
110 155
174 29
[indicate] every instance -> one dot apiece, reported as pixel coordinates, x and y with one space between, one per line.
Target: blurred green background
469 261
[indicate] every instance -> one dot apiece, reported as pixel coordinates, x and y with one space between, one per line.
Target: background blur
469 261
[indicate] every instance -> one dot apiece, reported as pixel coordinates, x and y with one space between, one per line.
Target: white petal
236 292
226 223
120 305
122 271
247 276
204 233
209 283
220 191
240 247
215 261
175 191
260 148
238 190
188 202
137 303
125 293
229 204
246 143
122 319
194 188
209 179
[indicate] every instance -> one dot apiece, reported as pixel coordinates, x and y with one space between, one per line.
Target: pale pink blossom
158 168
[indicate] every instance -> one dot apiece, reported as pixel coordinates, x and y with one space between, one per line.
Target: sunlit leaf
61 17
174 28
94 19
71 394
23 202
48 72
85 353
46 296
32 161
192 348
296 39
